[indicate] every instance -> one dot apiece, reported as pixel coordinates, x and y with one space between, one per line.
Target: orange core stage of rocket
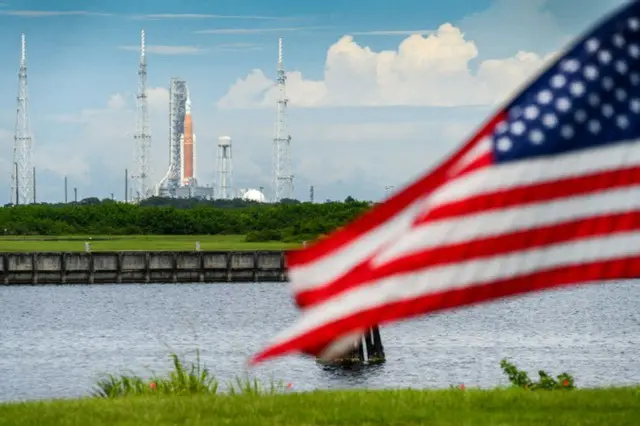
187 158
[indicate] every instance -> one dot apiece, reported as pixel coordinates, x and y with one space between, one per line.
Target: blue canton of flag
590 97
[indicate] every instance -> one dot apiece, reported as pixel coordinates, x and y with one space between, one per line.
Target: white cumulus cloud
110 130
431 70
158 98
116 101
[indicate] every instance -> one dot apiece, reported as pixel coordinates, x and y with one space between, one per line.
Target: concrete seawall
142 267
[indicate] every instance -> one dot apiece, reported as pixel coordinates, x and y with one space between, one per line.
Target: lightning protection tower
225 169
22 171
142 138
283 179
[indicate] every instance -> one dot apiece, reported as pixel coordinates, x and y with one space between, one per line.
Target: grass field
135 242
189 395
515 407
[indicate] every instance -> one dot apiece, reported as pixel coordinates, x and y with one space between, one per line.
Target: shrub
181 380
521 379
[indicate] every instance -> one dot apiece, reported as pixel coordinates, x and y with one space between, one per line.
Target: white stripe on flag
482 147
341 346
540 170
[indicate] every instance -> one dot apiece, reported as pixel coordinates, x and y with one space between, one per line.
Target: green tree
288 221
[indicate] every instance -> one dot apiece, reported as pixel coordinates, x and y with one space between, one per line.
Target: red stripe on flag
546 191
313 342
478 248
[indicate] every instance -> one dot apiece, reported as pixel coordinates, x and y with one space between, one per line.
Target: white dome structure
253 195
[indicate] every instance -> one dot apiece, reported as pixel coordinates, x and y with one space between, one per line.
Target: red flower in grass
565 383
152 385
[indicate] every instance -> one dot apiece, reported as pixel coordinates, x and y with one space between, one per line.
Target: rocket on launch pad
188 148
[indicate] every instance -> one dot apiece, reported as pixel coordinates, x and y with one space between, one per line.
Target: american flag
546 194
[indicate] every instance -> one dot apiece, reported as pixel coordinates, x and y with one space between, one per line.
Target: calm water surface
55 341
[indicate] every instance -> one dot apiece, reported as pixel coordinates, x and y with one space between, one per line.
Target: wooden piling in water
368 341
368 351
376 355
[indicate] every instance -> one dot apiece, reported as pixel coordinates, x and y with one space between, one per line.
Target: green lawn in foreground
601 407
134 242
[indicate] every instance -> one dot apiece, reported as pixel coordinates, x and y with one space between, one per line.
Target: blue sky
368 111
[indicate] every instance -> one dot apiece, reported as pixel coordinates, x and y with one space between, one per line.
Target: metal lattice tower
178 93
225 169
283 179
22 191
142 138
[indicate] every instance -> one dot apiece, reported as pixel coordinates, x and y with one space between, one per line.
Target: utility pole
75 195
126 185
65 190
311 193
34 185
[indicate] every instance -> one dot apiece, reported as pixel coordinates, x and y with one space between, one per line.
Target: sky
380 91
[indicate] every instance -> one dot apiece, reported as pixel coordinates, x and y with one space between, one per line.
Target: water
55 341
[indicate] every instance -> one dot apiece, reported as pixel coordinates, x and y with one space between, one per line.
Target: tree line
287 221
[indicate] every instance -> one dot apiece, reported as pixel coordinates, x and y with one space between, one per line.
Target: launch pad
186 191
181 177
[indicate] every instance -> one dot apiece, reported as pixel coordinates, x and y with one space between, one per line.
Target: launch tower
225 169
178 93
22 182
283 179
142 138
181 178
